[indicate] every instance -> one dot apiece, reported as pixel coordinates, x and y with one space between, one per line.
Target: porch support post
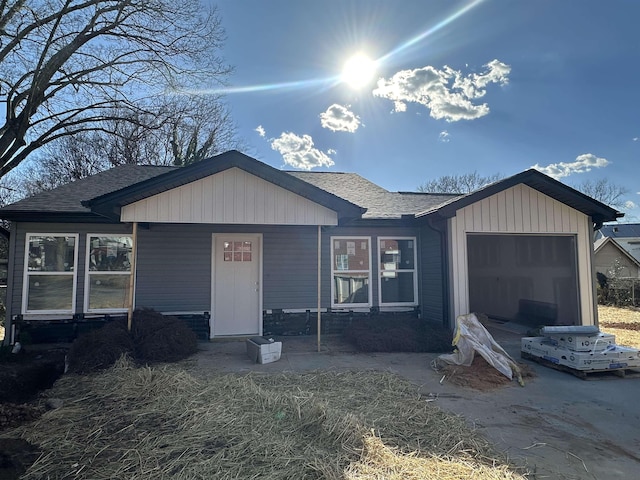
132 279
319 283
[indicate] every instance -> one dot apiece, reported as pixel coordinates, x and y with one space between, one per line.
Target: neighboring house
237 238
613 260
626 236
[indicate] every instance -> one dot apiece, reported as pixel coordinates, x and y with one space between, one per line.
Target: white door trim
214 255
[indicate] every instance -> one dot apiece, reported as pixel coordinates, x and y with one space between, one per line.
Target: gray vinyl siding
174 262
20 233
290 268
174 268
431 276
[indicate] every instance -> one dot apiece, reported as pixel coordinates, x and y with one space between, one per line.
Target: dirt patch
25 374
16 455
22 377
480 375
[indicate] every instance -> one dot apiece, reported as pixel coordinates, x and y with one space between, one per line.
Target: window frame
89 273
414 270
334 271
27 273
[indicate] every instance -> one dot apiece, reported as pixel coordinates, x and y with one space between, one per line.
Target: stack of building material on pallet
582 348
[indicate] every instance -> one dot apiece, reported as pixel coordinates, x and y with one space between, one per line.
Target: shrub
99 349
153 338
160 338
392 334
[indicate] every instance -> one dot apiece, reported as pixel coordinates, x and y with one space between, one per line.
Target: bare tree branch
64 62
461 183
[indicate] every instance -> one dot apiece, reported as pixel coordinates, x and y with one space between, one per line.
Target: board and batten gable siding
519 210
232 196
17 257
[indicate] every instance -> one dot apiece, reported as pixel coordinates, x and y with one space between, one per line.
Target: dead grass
624 323
163 422
382 462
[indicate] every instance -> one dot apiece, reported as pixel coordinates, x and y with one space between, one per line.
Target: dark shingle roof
621 230
380 203
67 199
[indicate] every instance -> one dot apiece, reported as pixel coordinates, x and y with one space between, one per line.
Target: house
239 239
612 257
617 246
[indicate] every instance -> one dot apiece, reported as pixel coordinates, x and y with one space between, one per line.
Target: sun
358 71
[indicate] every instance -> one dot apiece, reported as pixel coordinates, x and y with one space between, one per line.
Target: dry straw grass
382 462
624 323
162 422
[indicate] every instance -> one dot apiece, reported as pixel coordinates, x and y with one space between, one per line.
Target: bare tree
461 183
604 191
194 128
69 66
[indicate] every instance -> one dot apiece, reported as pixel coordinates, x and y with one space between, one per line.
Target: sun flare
358 71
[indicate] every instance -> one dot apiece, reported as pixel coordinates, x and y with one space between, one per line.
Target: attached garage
521 250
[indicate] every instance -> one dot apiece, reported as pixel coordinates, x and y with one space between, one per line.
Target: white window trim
88 273
334 271
26 274
415 273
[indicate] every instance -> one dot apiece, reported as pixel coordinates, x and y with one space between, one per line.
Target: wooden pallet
584 374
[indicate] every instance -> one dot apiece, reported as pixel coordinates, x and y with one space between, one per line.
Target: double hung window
398 274
351 271
50 273
108 273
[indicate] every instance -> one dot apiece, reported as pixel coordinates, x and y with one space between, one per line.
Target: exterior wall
14 306
606 257
431 275
174 263
229 197
519 210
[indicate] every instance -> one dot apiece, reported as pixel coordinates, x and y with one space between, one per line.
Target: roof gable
602 242
110 204
598 211
232 196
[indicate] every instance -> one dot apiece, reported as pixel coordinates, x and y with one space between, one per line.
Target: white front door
237 290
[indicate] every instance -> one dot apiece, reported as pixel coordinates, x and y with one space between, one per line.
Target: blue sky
496 86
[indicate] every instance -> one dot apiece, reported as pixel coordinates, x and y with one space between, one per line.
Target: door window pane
237 251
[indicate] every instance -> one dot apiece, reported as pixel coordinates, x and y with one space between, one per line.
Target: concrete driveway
558 426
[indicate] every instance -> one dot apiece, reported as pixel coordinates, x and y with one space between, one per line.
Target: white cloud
339 119
629 205
447 93
635 139
260 130
584 163
444 137
299 152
